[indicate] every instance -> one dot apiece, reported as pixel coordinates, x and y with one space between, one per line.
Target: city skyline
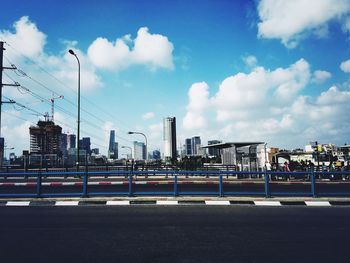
226 71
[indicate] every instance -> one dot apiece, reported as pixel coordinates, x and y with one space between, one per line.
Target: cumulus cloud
269 105
243 91
27 36
25 47
148 115
291 21
345 66
320 76
198 102
26 40
153 50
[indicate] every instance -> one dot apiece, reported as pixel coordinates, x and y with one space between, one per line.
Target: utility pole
2 102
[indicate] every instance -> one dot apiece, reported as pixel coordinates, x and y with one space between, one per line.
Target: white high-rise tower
169 137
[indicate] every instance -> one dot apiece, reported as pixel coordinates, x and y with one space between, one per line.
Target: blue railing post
176 193
38 185
267 185
85 182
221 193
130 185
85 185
313 184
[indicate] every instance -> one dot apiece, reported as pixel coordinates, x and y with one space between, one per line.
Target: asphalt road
174 234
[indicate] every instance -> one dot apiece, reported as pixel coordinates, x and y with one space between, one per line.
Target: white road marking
18 203
317 203
267 203
165 202
118 203
67 203
220 202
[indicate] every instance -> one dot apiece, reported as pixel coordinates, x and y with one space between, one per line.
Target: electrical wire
22 73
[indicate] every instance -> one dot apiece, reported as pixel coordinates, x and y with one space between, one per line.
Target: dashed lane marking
167 202
18 203
118 202
208 202
317 203
67 203
267 203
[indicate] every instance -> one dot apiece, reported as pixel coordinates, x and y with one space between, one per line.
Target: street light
78 135
134 132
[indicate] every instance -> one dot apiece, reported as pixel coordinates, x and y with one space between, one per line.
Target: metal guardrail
312 177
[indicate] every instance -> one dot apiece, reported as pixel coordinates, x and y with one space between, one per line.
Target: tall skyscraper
63 144
71 141
113 146
195 144
85 144
111 140
139 151
169 137
188 146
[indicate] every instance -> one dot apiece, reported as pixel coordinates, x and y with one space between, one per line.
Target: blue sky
232 70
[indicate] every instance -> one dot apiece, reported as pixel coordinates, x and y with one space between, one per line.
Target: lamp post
127 147
78 132
134 132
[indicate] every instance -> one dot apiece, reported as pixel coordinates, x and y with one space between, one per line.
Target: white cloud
148 115
198 102
28 40
320 76
27 36
333 95
291 21
345 66
250 61
243 91
269 105
16 135
153 50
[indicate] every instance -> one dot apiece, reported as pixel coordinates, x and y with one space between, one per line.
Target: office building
45 138
113 146
214 151
188 146
195 145
85 144
156 155
71 141
63 144
139 151
169 137
95 151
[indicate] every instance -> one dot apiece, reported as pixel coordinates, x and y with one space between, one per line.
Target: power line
62 109
67 87
42 99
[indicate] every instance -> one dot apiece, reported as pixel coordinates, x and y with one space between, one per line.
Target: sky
247 70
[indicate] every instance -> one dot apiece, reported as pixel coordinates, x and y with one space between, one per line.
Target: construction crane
53 98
